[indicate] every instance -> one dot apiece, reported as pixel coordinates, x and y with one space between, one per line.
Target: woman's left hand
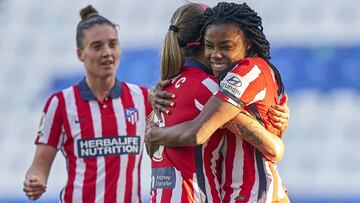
279 115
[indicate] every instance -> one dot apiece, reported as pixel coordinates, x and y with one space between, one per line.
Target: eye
226 47
113 44
96 46
209 46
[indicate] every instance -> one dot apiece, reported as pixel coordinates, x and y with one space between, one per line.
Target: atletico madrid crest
132 115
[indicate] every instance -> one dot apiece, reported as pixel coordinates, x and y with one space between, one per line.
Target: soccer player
184 174
98 124
234 38
190 173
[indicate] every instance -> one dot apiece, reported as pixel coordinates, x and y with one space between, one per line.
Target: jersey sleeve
207 88
243 85
51 124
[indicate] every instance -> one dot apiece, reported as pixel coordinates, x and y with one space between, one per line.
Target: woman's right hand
34 187
160 99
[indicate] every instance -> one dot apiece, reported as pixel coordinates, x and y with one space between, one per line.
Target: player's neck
100 87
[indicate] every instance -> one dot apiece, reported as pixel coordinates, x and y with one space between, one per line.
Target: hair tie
195 43
203 6
174 28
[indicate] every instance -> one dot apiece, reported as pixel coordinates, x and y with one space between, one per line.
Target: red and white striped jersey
247 176
101 141
188 174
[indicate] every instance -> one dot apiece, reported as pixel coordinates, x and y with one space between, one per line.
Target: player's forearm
42 162
178 135
270 145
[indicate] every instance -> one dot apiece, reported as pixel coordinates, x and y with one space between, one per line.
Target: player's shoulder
197 74
134 89
250 64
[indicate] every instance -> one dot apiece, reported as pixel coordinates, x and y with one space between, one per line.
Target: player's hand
150 147
34 187
279 115
159 99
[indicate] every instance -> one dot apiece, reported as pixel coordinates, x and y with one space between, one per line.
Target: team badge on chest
132 115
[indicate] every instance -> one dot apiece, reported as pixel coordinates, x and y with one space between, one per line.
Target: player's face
224 46
101 51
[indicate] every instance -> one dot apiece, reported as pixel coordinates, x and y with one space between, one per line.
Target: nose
106 51
216 54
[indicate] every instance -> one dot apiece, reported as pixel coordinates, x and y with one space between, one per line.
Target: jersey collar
197 64
86 93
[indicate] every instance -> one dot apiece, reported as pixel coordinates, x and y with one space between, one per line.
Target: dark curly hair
251 25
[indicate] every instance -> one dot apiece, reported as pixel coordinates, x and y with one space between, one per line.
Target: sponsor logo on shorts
163 178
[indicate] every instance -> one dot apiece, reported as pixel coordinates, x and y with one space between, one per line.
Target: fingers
160 85
164 102
284 99
33 188
160 109
164 94
279 111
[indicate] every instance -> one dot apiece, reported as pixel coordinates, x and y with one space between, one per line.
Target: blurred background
315 45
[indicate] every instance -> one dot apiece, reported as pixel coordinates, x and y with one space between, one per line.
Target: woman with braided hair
98 124
237 50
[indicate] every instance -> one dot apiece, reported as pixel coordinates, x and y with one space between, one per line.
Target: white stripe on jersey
138 99
281 190
196 188
100 160
260 96
198 105
177 191
211 85
215 156
48 120
121 123
237 171
269 183
71 111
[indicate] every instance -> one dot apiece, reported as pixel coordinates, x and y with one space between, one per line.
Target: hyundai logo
235 81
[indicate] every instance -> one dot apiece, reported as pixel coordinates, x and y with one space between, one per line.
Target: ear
80 54
248 45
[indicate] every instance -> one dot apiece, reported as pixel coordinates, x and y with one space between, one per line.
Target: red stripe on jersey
131 130
112 163
69 148
47 104
229 165
212 144
87 131
56 126
248 171
148 110
166 196
147 104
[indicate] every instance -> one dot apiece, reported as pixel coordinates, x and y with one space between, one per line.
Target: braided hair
251 25
89 18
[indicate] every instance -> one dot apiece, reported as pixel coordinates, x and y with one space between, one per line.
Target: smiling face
100 52
225 45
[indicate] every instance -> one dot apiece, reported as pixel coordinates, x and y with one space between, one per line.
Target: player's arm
215 114
37 175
